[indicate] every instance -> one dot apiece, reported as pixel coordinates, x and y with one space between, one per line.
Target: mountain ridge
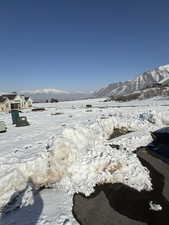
42 95
143 80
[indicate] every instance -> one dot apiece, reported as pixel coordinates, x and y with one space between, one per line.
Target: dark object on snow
118 204
118 132
15 116
17 120
88 106
38 109
3 127
22 121
115 146
54 100
161 136
160 144
56 114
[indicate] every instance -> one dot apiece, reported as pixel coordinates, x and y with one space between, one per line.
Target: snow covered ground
70 152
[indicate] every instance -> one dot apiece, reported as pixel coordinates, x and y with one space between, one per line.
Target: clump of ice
148 116
154 117
164 117
154 206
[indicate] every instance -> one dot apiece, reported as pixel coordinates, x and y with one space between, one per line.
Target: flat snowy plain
67 149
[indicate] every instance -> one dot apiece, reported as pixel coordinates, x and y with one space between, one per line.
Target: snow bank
85 159
82 158
12 181
35 169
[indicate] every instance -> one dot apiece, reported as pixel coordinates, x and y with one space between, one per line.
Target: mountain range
144 80
42 95
145 85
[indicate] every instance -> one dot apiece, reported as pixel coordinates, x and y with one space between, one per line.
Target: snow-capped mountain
142 81
41 95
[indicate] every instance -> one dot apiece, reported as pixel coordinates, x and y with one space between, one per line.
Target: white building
14 101
4 104
28 102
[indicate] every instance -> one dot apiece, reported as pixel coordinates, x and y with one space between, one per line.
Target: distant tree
88 106
47 101
52 100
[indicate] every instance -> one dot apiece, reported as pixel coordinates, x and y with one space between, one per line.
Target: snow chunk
154 206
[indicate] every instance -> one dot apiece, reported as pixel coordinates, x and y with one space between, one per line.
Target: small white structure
14 101
28 102
4 104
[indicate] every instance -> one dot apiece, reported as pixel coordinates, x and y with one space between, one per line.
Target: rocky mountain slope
143 94
145 80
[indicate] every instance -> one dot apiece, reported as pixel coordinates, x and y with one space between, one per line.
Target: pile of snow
141 124
81 158
84 160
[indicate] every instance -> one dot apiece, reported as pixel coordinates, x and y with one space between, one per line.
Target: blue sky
80 44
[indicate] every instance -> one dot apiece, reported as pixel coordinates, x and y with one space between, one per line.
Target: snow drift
82 157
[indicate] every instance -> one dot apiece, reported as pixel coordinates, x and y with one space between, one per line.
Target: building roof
27 98
10 96
2 99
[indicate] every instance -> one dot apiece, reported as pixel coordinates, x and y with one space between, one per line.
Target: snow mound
82 157
85 160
